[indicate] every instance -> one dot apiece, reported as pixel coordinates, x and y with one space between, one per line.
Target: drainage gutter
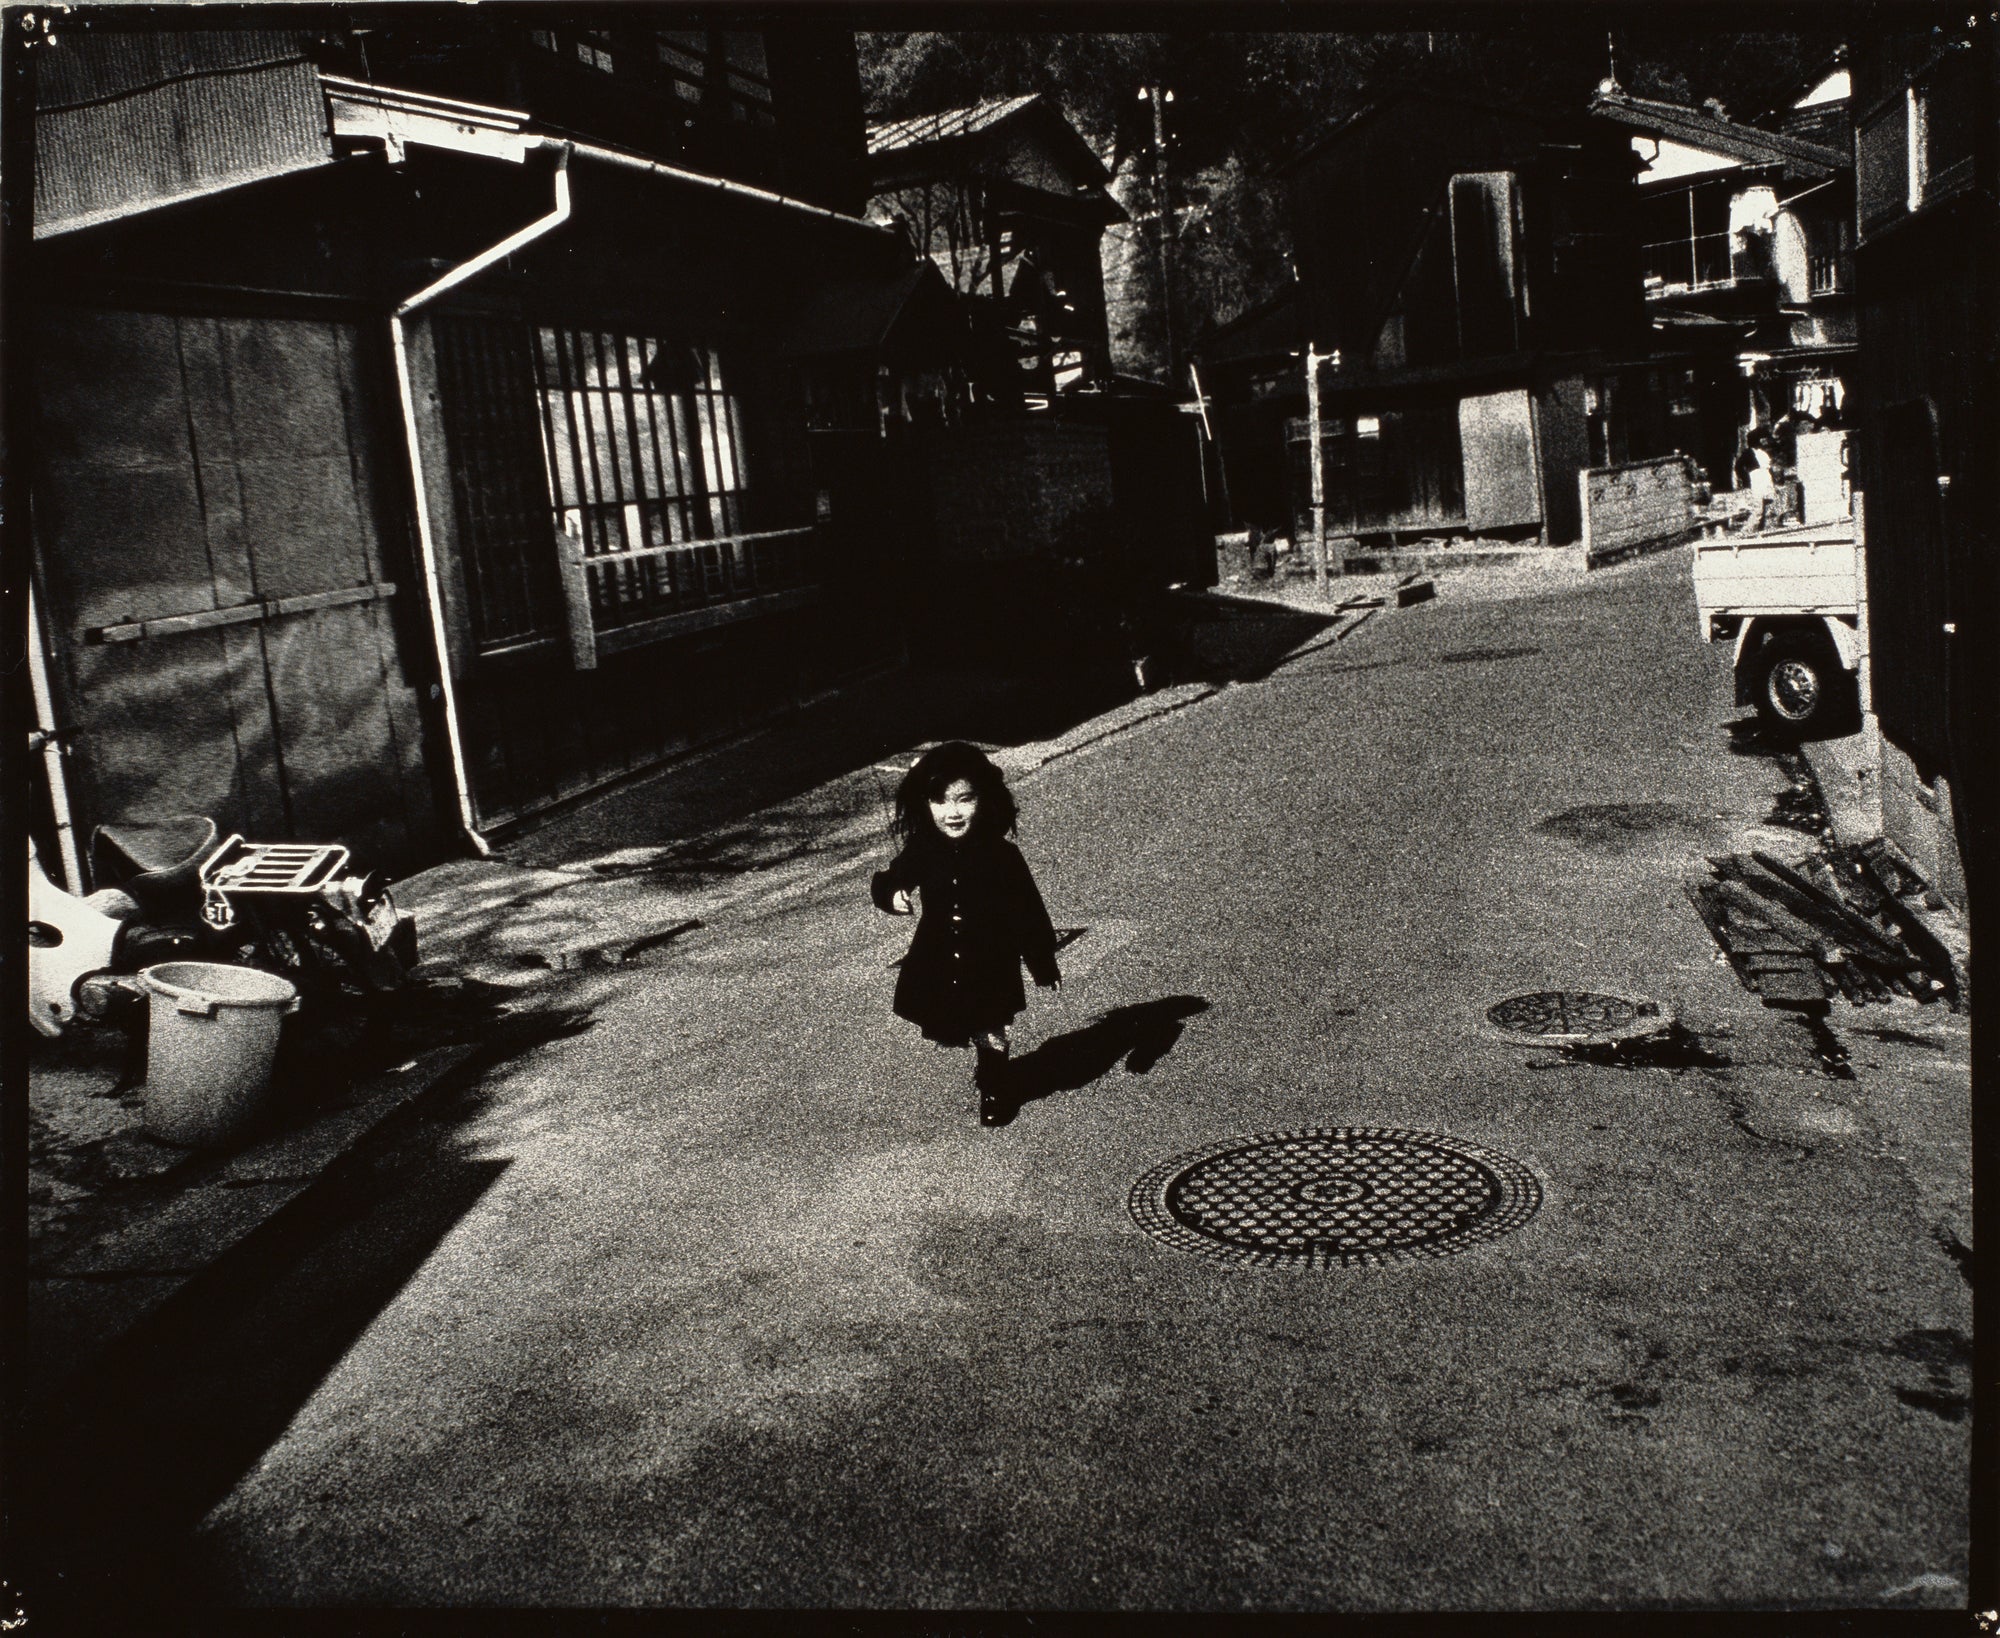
427 545
715 184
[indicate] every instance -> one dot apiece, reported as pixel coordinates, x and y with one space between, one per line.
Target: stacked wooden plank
1841 922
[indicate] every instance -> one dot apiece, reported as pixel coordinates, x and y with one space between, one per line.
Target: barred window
1828 254
749 80
486 395
683 54
589 46
727 67
644 448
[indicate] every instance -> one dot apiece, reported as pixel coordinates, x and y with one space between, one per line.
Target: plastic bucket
211 1035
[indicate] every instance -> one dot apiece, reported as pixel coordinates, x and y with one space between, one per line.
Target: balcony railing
1692 262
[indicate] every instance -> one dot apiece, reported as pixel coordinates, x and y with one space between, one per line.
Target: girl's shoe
988 1072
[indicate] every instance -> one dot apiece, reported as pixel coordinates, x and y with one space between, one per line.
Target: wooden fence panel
120 515
245 476
211 429
158 737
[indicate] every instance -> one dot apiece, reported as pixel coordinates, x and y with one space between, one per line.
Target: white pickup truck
1792 602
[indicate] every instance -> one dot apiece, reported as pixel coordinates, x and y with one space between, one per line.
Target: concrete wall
1013 491
1024 547
1562 436
1919 817
1632 509
1496 440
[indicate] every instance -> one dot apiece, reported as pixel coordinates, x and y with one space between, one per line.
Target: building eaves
900 144
400 118
1831 63
1253 325
1341 128
1426 83
1698 128
919 130
857 315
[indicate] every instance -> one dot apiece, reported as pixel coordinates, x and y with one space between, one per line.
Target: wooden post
576 595
1208 434
1315 455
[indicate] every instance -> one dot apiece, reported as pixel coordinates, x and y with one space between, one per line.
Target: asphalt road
727 1300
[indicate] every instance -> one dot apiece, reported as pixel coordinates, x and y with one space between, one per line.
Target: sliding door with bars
643 445
601 482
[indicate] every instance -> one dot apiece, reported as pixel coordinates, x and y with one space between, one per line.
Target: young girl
981 914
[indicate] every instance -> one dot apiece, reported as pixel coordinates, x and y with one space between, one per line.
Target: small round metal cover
1576 1017
1334 1197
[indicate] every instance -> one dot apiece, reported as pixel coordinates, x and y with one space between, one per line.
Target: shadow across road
1140 1035
126 1458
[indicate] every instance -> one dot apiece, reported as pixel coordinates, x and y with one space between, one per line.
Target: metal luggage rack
271 867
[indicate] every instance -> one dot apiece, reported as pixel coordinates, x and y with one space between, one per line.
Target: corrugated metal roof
127 122
920 129
86 66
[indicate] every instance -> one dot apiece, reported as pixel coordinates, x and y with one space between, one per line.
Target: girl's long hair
936 770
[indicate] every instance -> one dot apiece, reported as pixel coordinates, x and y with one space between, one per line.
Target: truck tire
1799 682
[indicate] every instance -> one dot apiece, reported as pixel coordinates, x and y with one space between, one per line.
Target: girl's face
954 809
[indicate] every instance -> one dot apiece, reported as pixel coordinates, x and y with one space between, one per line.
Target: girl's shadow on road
1141 1034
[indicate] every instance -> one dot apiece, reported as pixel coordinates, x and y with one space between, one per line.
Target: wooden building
1010 203
1473 269
1253 371
1927 179
1067 494
1747 240
433 423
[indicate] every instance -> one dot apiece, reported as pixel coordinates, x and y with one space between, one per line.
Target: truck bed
1811 572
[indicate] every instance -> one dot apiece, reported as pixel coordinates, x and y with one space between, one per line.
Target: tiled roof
920 129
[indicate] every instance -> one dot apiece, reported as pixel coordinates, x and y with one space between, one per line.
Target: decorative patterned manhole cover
1558 1017
1328 1198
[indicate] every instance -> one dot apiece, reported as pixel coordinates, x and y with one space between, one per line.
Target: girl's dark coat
981 916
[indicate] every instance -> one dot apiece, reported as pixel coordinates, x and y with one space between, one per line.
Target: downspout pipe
50 736
426 542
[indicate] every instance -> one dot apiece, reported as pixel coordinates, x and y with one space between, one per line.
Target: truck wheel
1798 682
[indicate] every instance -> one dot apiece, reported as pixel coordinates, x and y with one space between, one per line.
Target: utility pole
1209 444
1163 207
1317 458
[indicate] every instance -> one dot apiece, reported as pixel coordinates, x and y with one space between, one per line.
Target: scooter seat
154 861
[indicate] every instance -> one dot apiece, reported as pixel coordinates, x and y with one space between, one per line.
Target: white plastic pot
212 1032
